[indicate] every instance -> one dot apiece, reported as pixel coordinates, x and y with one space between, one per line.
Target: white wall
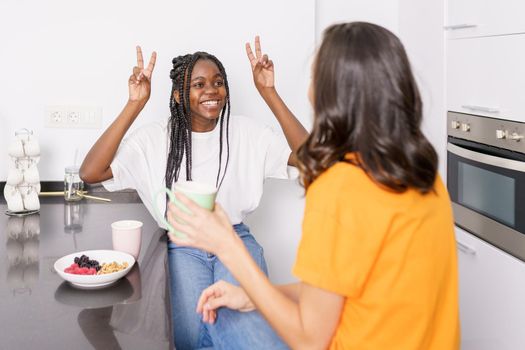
382 12
421 31
60 52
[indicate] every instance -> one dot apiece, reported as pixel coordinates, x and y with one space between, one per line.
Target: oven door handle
465 248
486 159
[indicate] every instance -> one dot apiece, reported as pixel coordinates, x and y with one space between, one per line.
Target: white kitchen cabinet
486 76
492 296
474 18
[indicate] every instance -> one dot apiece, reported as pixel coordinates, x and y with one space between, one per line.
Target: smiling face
207 95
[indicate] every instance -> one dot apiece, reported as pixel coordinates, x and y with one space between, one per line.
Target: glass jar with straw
73 185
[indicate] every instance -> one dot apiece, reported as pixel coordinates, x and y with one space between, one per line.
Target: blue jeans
193 270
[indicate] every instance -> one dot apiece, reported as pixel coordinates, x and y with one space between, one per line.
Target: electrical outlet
73 117
56 117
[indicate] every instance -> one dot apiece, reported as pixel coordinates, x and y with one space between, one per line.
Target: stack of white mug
23 181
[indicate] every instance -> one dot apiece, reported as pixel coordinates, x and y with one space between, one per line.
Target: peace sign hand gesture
140 81
262 67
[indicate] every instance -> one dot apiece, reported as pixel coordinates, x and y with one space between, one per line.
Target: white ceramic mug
23 163
23 134
31 175
31 147
127 236
14 177
13 198
30 199
16 148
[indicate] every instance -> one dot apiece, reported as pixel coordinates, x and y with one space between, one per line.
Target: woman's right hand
140 81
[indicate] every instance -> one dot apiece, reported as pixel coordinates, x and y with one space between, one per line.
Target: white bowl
94 281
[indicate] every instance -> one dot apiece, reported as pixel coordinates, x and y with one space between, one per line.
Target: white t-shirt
256 152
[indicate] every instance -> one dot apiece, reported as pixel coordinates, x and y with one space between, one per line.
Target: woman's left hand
262 67
207 230
222 294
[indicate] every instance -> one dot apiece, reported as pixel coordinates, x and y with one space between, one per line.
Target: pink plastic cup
126 235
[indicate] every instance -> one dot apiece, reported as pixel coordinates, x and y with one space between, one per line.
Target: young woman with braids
377 259
201 142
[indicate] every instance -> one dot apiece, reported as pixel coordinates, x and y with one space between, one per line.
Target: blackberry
84 261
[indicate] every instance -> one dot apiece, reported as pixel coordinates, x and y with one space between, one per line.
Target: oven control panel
505 134
490 131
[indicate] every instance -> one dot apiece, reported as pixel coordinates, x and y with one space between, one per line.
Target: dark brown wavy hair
366 102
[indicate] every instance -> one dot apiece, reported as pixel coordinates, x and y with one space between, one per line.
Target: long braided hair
179 126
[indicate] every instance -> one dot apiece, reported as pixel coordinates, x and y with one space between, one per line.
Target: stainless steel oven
486 179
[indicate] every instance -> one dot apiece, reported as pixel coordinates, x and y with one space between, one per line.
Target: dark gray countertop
38 310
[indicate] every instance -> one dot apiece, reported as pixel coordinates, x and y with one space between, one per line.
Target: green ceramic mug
201 193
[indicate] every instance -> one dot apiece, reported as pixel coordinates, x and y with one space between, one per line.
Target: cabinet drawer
492 290
486 76
474 18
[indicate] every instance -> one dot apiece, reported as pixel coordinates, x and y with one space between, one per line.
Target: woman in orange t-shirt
377 260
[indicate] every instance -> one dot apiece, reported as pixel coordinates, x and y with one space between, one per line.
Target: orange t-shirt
391 255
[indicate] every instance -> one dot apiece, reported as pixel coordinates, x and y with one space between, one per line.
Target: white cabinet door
472 18
492 296
486 76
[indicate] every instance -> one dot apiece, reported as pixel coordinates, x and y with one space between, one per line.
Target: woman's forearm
96 165
290 290
281 311
294 131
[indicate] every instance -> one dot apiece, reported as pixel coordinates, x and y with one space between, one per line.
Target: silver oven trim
486 159
499 235
500 133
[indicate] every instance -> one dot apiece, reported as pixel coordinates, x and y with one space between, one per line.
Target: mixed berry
83 266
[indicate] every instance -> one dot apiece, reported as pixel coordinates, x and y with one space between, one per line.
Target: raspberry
71 268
